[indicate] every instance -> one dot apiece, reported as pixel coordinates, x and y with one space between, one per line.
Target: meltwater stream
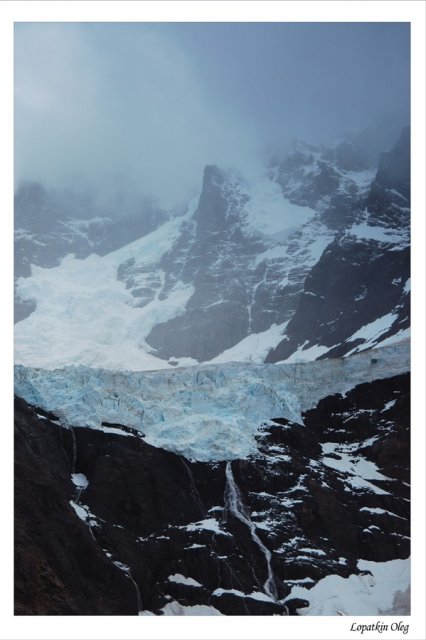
234 504
138 594
74 450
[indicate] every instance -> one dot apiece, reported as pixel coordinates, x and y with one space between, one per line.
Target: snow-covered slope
100 310
50 225
358 293
85 315
382 588
306 263
206 413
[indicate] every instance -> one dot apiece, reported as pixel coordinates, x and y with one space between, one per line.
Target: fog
141 108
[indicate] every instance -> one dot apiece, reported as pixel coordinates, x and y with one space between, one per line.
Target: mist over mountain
142 108
212 319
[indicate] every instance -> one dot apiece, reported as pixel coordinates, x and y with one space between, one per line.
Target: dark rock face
349 157
236 293
214 253
323 179
394 167
336 300
358 280
151 530
212 206
389 198
324 278
58 569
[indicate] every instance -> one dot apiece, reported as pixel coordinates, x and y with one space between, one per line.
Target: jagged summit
185 475
312 261
389 197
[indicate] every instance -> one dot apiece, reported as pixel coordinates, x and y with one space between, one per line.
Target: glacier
87 313
207 412
87 316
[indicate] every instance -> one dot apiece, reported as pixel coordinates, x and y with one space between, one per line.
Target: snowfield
85 315
100 311
269 213
381 588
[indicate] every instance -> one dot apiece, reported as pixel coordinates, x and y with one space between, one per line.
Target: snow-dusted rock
316 522
298 262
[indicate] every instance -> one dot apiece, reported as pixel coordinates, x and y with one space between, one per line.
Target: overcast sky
144 107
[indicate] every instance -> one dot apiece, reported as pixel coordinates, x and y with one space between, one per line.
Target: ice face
208 412
205 413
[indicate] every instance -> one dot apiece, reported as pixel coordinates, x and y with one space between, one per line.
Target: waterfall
234 504
74 450
138 593
126 570
194 490
78 493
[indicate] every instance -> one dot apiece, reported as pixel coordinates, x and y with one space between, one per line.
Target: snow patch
273 253
255 347
400 336
380 511
374 330
104 329
359 470
118 432
362 594
388 405
180 579
210 524
176 609
195 546
81 513
270 213
305 355
79 480
256 595
407 286
364 231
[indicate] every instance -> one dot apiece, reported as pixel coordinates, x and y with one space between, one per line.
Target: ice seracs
208 412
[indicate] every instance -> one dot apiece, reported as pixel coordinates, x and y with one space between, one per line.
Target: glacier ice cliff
206 412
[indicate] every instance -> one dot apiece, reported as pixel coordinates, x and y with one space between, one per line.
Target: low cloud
120 113
143 107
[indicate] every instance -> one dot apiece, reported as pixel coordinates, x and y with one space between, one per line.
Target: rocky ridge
309 259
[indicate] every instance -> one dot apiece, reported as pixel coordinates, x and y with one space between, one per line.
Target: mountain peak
212 173
211 210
